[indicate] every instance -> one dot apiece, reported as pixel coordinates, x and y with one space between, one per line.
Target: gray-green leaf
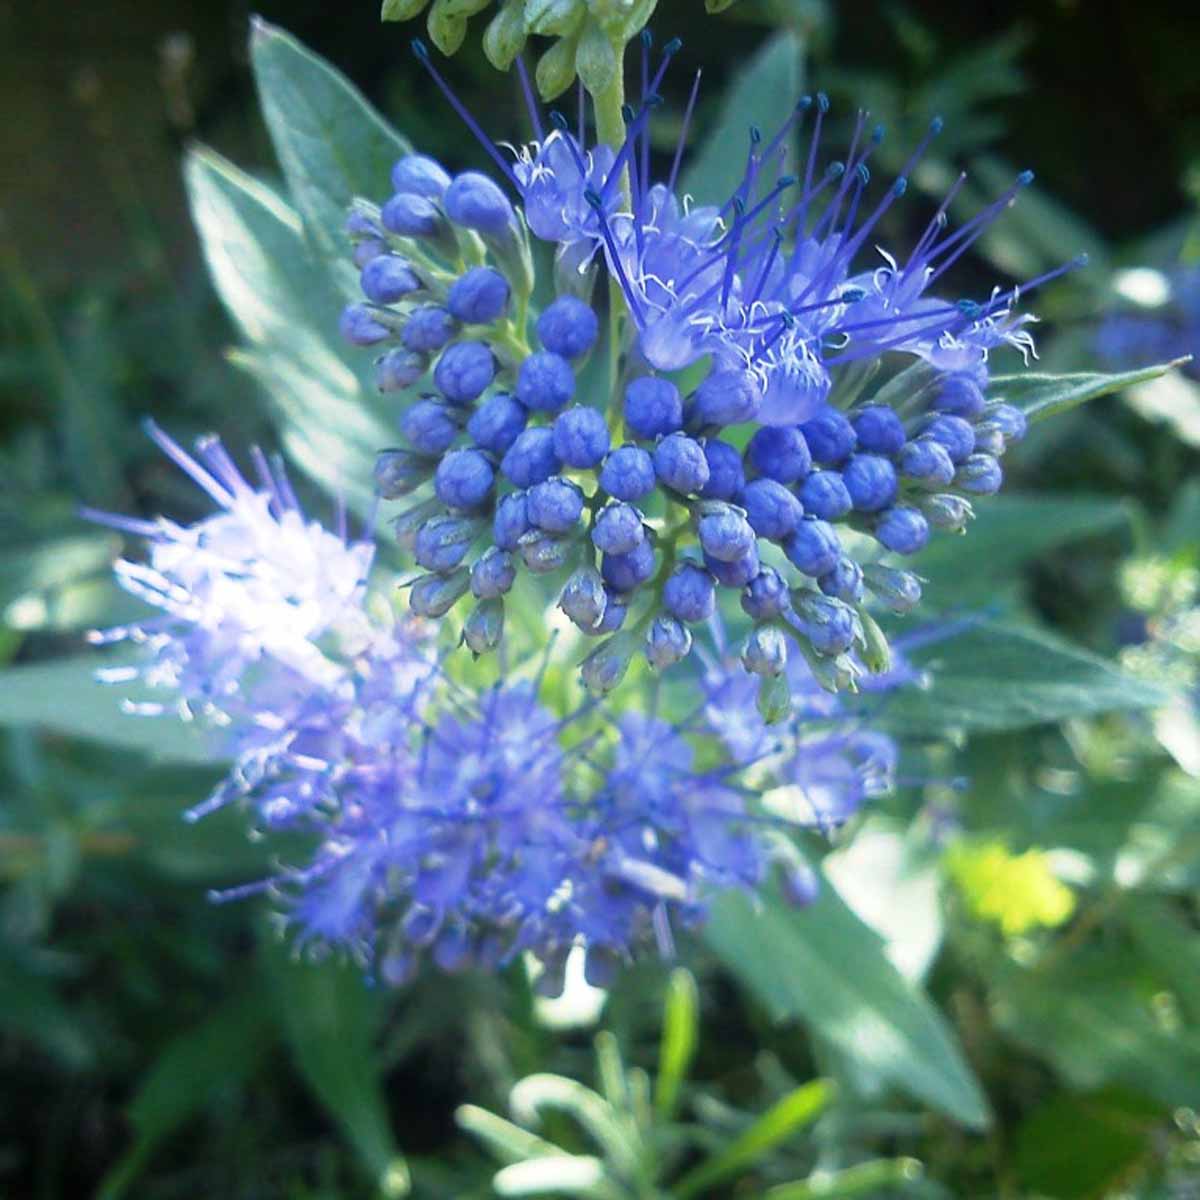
1042 396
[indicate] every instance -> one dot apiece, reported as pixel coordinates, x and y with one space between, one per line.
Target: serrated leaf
825 967
1042 396
331 143
990 675
761 94
64 697
331 1020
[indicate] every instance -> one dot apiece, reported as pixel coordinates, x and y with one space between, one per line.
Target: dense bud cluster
783 474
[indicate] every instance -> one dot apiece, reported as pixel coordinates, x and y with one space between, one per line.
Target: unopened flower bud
605 667
765 651
436 595
484 627
899 590
443 541
504 37
544 553
945 511
667 642
583 598
493 574
398 472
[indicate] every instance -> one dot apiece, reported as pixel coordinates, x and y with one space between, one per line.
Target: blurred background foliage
999 992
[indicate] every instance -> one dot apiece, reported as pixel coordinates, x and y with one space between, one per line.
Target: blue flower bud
388 278
844 582
871 482
474 201
980 475
765 651
497 422
814 548
780 453
494 572
436 595
902 529
690 593
430 427
484 627
824 495
555 505
530 458
399 369
511 521
724 398
615 612
618 529
766 595
479 297
419 175
667 642
946 511
773 511
989 439
724 532
568 327
412 216
726 478
360 326
580 436
960 395
737 573
398 472
626 572
878 430
359 224
954 433
408 524
799 884
928 462
680 463
368 249
653 407
1011 421
464 371
464 479
829 625
543 552
428 329
604 669
830 437
545 382
583 598
899 590
627 473
443 541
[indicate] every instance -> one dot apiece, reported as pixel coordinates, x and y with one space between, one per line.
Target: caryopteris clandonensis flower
761 430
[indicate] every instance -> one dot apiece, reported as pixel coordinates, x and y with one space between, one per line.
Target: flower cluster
448 826
786 472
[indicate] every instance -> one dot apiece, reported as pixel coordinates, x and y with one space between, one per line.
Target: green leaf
1084 1147
286 307
681 1027
796 1110
868 1179
215 1056
824 966
762 94
1042 396
64 697
31 1011
331 1020
990 675
331 143
1008 532
1090 1018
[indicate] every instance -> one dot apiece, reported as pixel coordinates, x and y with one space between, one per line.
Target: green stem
610 129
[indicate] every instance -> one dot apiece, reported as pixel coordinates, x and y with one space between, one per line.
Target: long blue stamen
531 104
421 51
597 204
683 132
